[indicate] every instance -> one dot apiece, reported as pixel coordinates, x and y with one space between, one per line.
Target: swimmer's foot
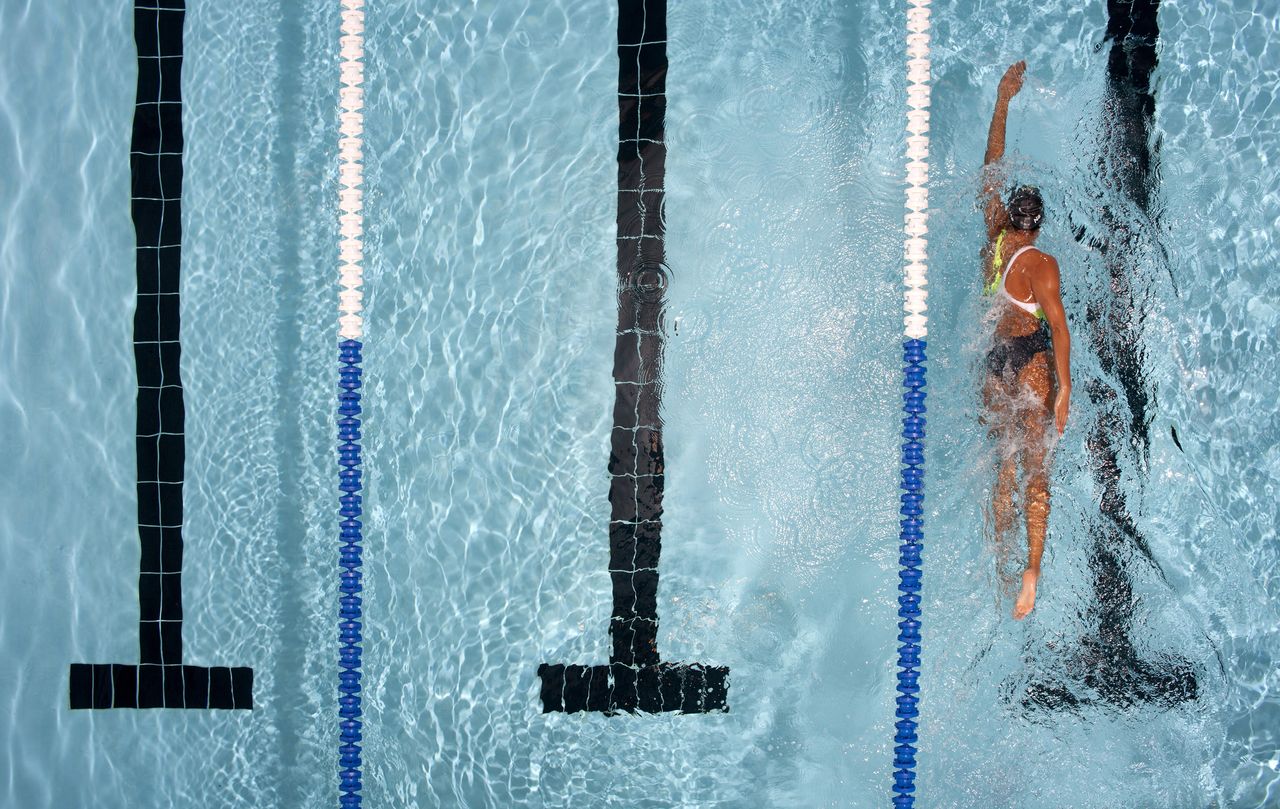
1026 598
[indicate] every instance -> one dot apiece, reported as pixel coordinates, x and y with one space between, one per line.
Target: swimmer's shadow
1092 676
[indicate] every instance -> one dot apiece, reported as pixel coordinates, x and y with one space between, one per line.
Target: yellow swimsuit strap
996 261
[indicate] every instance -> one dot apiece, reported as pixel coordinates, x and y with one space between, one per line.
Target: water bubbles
649 282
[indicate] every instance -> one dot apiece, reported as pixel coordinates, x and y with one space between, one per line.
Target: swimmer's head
1026 208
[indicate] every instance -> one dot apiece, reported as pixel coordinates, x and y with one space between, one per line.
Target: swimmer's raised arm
996 215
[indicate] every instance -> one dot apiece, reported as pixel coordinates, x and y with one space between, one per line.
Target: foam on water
490 144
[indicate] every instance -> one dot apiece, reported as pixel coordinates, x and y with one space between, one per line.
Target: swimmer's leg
1002 509
1002 493
1037 512
1035 472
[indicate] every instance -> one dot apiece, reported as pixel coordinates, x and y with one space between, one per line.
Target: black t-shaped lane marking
636 679
159 679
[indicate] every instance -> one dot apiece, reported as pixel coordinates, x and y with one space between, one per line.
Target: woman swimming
1030 348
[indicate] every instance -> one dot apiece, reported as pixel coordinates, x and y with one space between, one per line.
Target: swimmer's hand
1061 404
1011 82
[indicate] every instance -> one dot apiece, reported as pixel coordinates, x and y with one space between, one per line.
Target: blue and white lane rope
350 330
913 424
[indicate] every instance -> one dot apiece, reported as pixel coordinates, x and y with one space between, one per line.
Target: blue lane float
350 579
350 332
912 543
915 328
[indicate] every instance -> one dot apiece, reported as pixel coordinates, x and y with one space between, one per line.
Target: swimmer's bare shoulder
1040 265
1041 269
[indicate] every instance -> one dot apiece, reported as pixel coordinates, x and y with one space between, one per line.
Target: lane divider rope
913 424
350 332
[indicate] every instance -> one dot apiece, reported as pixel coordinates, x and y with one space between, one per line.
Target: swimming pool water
491 206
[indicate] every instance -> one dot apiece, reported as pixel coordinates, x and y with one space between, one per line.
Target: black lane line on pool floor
159 679
636 679
1116 672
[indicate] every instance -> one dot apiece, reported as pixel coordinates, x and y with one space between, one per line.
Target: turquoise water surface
491 145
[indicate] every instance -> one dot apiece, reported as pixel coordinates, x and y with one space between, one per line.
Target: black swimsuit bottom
1011 354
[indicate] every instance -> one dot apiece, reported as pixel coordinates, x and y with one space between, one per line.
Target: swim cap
1026 208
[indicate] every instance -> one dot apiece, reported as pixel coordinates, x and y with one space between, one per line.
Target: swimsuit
997 284
1011 354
